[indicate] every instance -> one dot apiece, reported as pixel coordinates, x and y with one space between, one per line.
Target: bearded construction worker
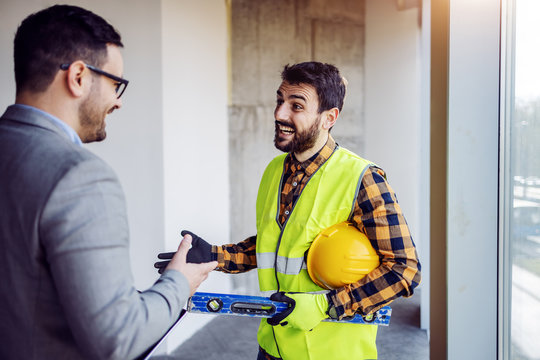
312 186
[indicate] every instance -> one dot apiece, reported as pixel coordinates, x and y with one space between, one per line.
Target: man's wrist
214 253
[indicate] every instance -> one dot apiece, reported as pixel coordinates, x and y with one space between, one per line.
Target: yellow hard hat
340 255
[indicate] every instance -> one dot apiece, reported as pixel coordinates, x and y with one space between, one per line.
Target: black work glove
279 317
304 312
200 252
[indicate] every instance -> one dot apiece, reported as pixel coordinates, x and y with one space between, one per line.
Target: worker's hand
200 252
195 273
305 310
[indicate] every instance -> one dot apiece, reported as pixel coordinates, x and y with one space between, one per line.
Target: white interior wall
395 136
11 14
133 144
472 201
168 144
134 133
195 143
424 181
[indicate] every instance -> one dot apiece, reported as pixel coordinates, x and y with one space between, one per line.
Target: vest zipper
282 227
285 224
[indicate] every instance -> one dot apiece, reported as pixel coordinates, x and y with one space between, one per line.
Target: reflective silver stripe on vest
287 266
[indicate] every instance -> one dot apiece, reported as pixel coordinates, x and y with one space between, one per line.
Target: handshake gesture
200 252
195 263
305 310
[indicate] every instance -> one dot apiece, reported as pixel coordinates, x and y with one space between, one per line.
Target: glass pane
525 174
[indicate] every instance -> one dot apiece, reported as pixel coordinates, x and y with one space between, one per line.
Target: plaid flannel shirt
376 213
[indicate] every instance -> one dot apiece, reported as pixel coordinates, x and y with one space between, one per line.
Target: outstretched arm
84 234
236 258
231 258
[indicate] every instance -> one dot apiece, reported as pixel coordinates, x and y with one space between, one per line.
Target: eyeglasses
120 83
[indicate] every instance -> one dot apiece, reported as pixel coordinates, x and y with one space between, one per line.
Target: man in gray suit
65 281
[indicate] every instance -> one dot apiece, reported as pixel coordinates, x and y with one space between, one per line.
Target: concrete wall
265 36
377 48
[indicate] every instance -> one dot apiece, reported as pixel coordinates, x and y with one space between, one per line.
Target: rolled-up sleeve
236 258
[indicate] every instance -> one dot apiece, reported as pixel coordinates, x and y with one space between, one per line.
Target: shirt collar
317 160
73 136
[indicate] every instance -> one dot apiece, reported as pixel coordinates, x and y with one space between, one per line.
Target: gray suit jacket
66 289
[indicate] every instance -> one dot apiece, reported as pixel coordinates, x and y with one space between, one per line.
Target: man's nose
281 112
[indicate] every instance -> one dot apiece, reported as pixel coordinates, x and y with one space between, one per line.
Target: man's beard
301 141
92 120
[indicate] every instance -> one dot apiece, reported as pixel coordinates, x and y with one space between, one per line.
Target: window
520 162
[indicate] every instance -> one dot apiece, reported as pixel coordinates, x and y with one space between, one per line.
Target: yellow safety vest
327 199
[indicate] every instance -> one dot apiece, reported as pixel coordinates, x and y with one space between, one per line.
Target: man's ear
330 117
77 77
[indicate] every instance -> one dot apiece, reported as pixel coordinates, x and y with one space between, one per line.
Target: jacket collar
32 116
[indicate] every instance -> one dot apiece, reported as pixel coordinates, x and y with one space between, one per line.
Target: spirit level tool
257 306
254 306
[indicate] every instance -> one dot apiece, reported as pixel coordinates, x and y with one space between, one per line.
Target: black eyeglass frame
120 87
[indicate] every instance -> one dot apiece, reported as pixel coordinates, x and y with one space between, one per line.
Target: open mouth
285 129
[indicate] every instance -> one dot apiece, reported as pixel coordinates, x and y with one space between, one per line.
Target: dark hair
325 78
57 35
